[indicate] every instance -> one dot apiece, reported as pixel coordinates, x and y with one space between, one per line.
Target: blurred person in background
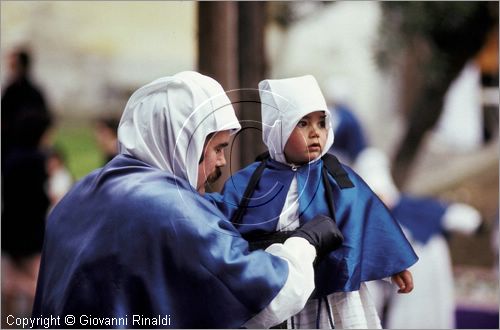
60 178
350 139
426 222
106 135
26 124
20 99
494 242
25 203
461 125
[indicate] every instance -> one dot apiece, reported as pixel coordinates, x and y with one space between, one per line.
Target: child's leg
355 310
317 314
372 317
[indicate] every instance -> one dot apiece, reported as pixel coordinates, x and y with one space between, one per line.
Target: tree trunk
252 69
217 41
218 56
231 50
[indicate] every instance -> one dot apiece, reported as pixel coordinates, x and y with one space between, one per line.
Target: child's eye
322 124
302 123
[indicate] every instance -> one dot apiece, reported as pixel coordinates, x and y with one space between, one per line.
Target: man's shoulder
158 189
127 181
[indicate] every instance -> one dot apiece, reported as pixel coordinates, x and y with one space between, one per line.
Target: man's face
213 159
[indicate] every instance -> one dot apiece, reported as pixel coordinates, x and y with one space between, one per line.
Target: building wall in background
89 55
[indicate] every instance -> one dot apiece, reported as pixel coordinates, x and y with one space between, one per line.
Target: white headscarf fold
284 103
165 123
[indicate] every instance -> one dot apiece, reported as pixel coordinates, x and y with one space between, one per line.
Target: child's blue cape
374 247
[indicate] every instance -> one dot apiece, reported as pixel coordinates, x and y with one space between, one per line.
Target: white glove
462 218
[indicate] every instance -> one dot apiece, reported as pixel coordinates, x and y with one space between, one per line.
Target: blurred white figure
460 127
425 222
60 178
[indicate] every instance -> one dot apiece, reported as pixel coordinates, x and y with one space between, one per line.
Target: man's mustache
215 175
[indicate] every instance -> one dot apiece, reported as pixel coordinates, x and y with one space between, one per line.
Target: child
294 185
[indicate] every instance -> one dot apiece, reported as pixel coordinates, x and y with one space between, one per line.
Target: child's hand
404 281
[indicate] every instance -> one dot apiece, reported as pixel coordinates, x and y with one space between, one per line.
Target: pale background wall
87 53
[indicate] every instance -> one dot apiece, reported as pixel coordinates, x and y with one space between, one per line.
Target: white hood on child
284 103
165 122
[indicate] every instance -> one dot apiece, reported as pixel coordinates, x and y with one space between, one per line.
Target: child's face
308 139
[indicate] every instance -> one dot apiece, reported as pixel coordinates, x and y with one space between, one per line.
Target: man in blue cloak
134 244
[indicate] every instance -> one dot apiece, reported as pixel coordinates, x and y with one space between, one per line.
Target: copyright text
88 320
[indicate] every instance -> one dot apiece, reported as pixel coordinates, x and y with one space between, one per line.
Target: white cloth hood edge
165 123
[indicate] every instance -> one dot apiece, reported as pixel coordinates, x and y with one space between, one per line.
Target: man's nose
222 160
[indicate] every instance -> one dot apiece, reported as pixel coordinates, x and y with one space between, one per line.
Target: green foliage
76 139
450 28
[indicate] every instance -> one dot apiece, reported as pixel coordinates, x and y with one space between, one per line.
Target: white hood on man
165 123
284 103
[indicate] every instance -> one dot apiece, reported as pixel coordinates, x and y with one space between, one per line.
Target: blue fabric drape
422 216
